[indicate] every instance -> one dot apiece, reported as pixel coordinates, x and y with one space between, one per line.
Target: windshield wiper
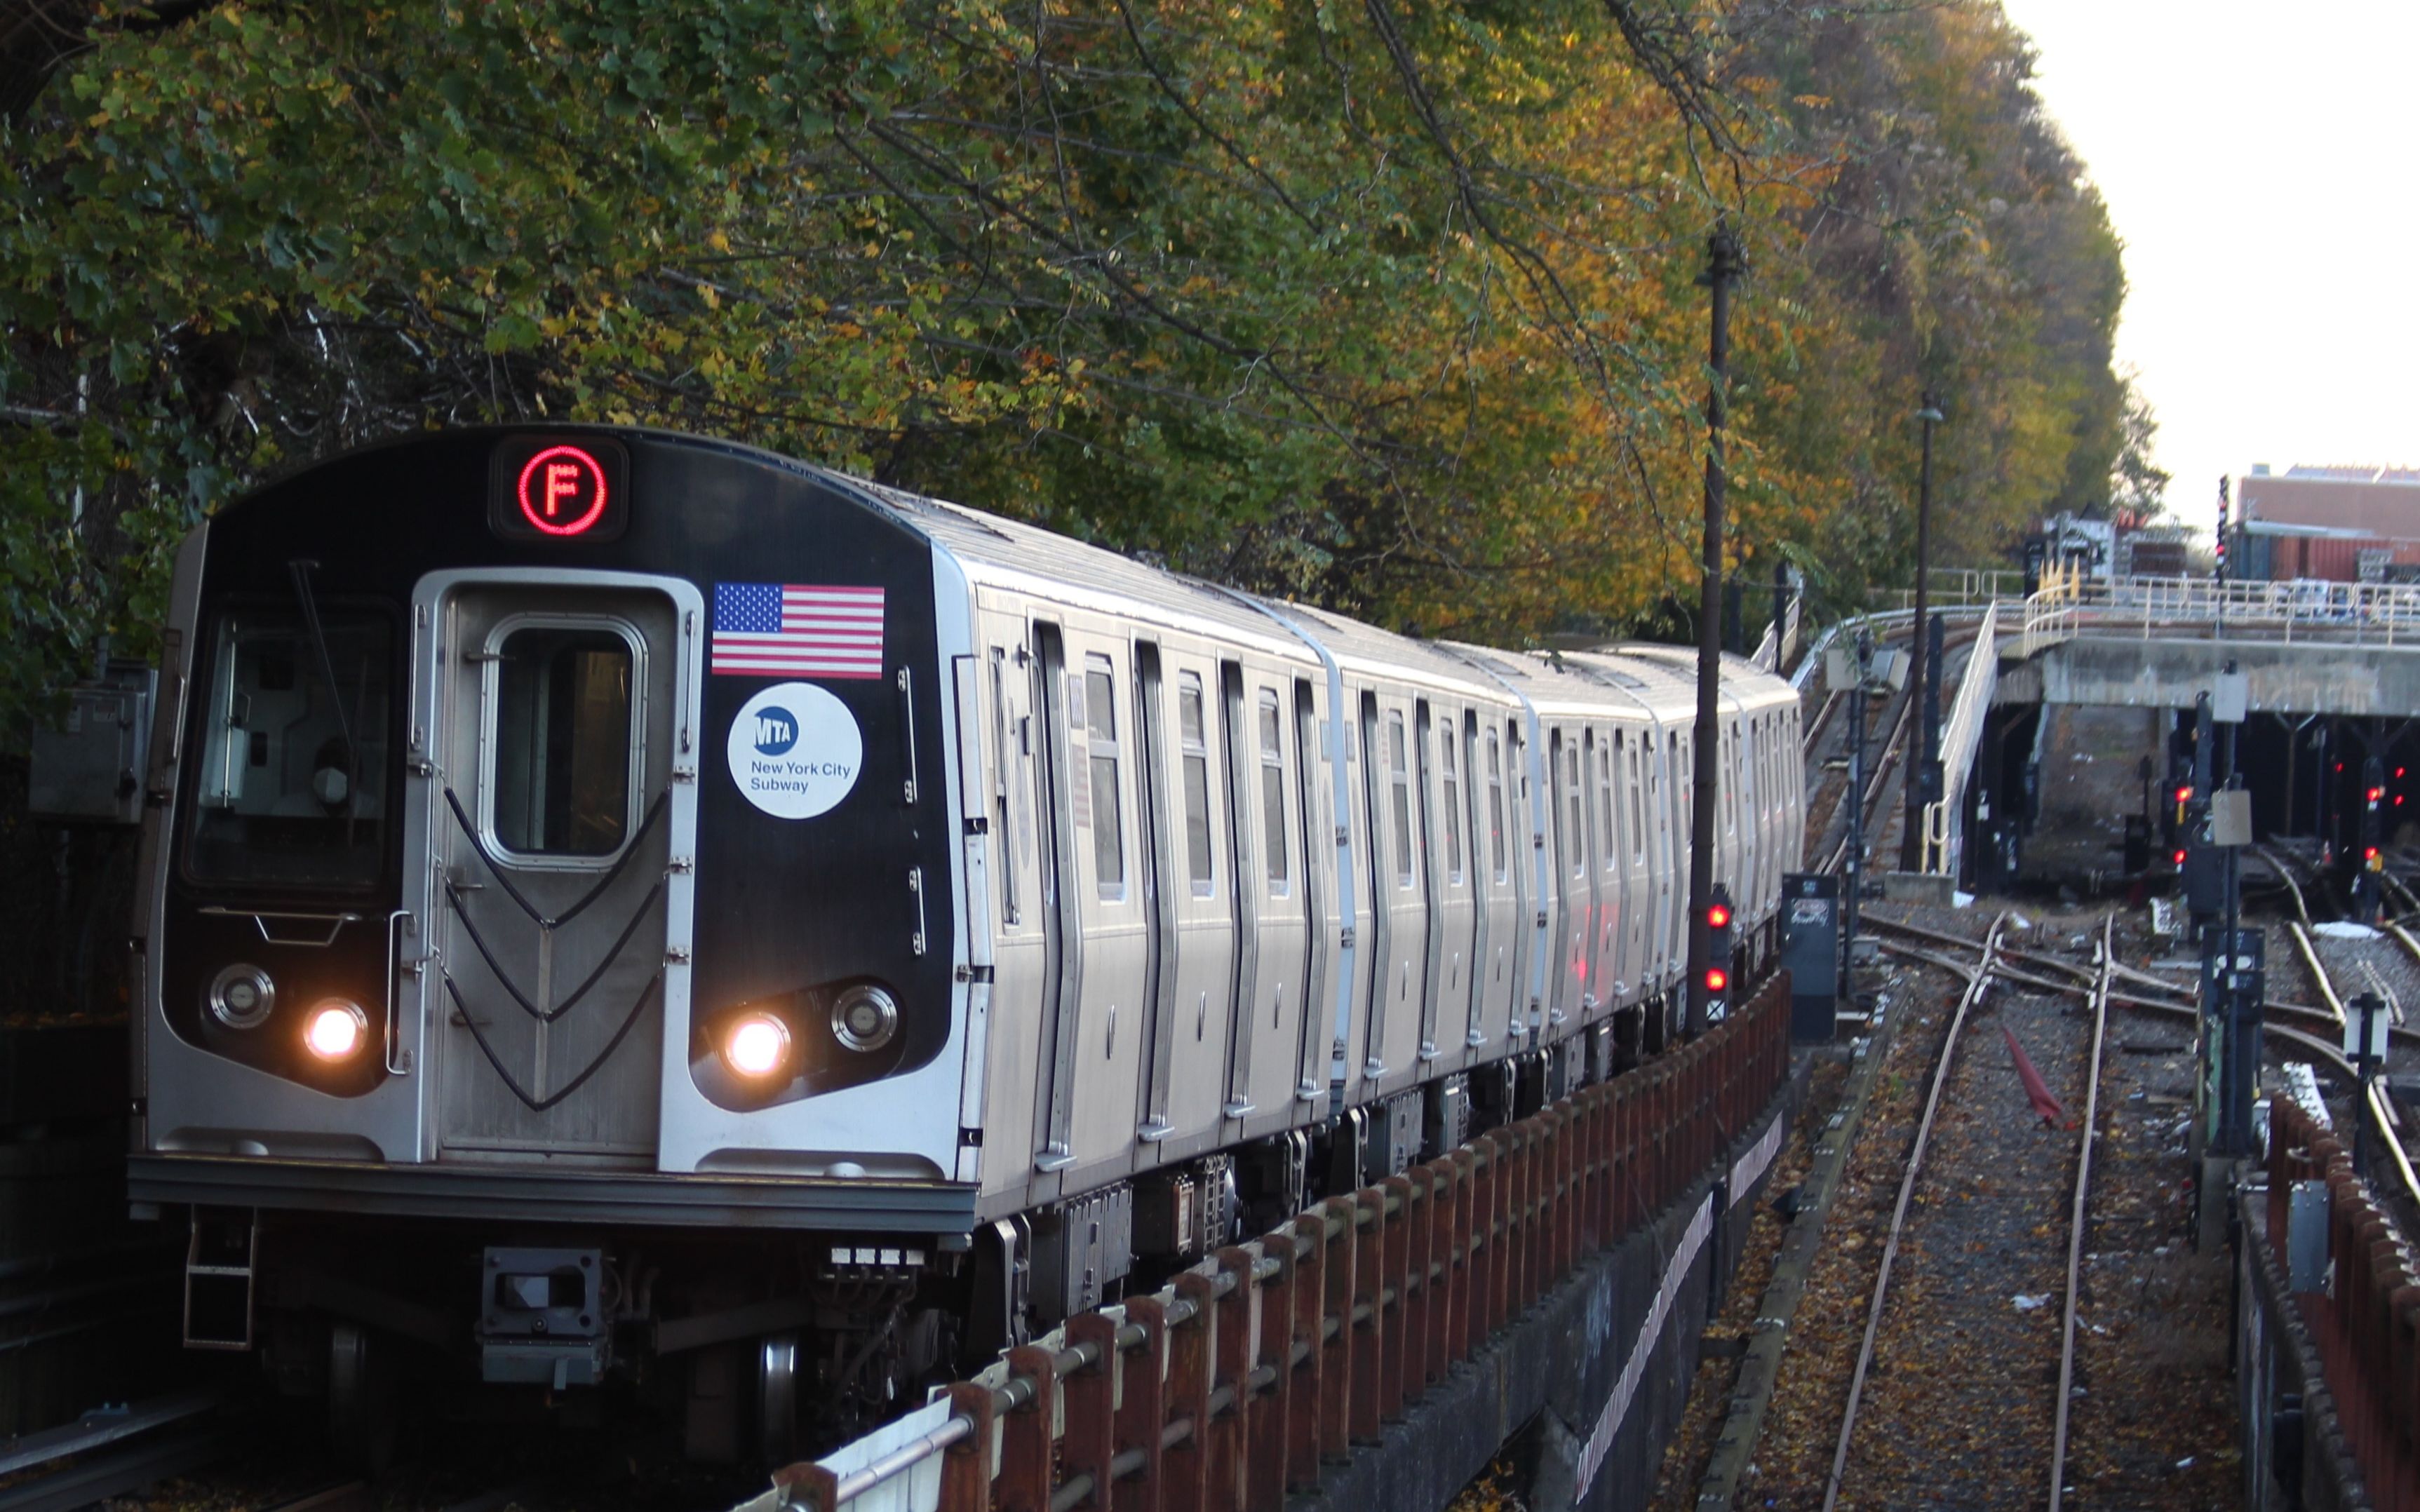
301 568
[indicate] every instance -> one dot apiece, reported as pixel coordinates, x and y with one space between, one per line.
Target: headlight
864 1018
335 1030
241 995
756 1045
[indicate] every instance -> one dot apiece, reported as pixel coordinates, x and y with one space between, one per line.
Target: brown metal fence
1229 1388
2366 1324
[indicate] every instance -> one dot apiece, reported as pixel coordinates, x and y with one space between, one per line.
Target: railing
2358 613
1231 1386
2366 1323
1947 587
1962 734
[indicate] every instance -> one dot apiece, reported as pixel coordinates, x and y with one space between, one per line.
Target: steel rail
1899 1213
2076 1212
2285 875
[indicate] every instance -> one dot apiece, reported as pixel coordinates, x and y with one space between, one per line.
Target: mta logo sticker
795 751
776 731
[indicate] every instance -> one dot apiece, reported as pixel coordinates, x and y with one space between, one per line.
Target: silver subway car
625 908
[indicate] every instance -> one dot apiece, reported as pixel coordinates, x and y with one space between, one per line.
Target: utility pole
1855 860
1911 829
1724 263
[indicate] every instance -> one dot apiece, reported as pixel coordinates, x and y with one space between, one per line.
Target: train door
1611 881
1190 1044
1401 964
1453 914
1567 872
1247 836
556 712
1379 885
1315 1004
1061 909
1663 851
1638 879
1500 975
1467 802
1268 796
1101 1042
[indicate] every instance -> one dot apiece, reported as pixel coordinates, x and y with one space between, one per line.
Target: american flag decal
796 630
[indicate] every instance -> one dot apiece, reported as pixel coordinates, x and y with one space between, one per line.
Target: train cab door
557 789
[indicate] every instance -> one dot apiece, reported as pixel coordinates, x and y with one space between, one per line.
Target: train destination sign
559 488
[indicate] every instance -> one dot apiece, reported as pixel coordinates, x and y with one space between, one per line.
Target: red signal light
2369 854
2376 793
1717 917
1716 979
2185 794
2398 774
2180 859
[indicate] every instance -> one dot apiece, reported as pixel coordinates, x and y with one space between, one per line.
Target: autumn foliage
1393 304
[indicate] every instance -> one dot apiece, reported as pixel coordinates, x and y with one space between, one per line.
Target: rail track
2091 1130
1976 983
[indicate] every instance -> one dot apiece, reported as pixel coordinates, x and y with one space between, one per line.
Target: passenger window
1101 736
1449 763
1273 825
1576 833
562 782
1606 852
1194 746
1638 807
1496 807
1399 783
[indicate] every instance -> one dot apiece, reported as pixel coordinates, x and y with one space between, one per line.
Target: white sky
2262 164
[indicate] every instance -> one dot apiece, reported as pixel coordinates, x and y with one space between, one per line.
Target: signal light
1716 979
2180 857
2185 794
2376 793
2370 857
1717 917
1718 953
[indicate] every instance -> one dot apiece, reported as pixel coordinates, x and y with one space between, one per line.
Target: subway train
627 912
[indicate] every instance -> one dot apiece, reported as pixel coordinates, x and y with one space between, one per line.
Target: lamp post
1911 837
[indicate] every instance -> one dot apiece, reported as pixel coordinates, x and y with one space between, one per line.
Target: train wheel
777 1399
361 1399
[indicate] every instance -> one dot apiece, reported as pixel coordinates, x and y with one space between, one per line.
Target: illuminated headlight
240 997
335 1030
756 1045
864 1018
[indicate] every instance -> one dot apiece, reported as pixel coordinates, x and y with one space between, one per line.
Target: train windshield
293 777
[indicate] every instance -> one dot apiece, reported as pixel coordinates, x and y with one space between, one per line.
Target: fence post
1227 1475
966 1467
1024 1482
1273 1350
1088 1439
1185 1468
1400 1349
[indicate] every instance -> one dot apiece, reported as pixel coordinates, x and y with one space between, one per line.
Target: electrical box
1810 952
89 766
